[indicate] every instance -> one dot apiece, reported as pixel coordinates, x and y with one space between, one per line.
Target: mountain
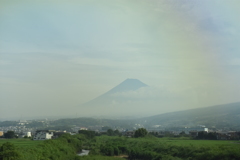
111 97
225 116
119 99
219 116
127 85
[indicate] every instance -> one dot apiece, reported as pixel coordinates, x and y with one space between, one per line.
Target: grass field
21 142
98 157
180 141
27 142
181 148
201 142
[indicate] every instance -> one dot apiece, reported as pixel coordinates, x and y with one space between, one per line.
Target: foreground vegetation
157 148
62 148
21 142
119 147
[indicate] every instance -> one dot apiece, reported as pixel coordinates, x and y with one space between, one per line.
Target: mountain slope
113 96
220 116
127 85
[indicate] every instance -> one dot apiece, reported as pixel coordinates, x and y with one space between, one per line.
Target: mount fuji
116 94
123 99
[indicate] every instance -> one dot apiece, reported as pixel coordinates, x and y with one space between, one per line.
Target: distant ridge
220 116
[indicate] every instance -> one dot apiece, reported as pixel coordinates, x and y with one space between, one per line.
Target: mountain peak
128 85
107 98
131 80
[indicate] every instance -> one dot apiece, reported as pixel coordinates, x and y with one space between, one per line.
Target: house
83 128
198 129
23 134
222 136
43 135
1 133
230 135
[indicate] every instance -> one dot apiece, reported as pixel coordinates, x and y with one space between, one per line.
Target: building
83 128
1 133
230 135
198 129
43 135
25 134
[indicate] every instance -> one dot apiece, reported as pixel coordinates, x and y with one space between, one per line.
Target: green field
117 147
175 141
21 142
200 143
166 148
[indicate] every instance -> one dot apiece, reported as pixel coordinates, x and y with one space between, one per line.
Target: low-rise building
198 129
1 133
43 135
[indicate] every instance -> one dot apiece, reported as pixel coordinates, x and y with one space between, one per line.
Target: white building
23 134
43 135
28 134
198 129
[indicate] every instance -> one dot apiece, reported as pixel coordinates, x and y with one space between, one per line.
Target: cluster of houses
231 135
194 132
48 134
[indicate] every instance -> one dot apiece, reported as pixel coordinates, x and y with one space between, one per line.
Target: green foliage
21 142
98 157
10 134
110 132
150 148
88 134
205 135
146 148
141 132
117 133
62 148
9 152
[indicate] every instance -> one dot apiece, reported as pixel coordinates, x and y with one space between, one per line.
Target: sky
58 54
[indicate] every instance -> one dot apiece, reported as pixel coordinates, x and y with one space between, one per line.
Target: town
26 129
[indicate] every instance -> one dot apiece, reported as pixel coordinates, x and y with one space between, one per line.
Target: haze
57 55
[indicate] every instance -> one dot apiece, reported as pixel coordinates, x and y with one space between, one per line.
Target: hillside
219 116
226 116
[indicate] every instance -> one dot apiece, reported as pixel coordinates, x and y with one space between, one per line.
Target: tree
9 152
116 132
88 134
10 134
110 132
141 132
183 134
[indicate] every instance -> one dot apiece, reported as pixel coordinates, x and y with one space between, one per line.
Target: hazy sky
57 54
